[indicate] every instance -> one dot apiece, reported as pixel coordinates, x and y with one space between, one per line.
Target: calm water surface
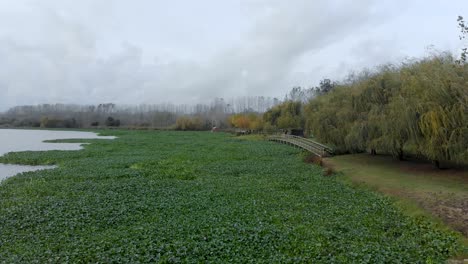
12 140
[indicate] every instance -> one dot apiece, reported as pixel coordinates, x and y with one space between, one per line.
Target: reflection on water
13 140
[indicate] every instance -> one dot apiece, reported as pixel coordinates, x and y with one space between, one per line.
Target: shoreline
41 143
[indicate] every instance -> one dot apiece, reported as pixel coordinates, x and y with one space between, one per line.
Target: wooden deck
304 143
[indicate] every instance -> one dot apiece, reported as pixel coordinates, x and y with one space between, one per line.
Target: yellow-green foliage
420 107
187 123
247 121
286 115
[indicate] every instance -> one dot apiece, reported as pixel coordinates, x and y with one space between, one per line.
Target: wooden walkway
304 143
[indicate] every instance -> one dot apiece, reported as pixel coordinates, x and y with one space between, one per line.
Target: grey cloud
66 54
278 40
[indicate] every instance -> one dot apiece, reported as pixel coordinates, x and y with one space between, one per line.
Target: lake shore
21 140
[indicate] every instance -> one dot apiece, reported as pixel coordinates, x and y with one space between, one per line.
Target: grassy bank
200 197
420 189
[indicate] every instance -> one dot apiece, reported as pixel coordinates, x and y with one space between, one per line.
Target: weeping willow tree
418 108
287 115
443 109
329 117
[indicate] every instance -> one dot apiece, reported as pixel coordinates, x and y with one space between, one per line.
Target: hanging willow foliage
418 108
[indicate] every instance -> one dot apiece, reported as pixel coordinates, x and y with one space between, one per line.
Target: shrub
186 123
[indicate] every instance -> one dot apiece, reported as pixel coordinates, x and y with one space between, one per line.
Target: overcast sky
184 51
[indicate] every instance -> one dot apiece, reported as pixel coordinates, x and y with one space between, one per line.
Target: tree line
282 116
418 108
172 116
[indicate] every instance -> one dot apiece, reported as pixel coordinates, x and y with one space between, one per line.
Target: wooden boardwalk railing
304 143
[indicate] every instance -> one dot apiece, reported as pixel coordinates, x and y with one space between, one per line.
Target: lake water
13 140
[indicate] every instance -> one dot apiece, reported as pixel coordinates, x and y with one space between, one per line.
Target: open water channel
13 140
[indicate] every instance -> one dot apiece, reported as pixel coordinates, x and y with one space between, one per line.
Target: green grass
419 189
200 197
385 172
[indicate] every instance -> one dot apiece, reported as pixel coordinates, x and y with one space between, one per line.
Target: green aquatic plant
200 197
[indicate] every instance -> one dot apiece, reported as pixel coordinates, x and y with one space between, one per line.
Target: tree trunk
400 154
436 164
373 152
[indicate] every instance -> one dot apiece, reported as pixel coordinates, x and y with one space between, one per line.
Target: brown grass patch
314 159
328 168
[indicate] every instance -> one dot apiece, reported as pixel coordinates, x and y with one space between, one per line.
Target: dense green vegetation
247 121
418 108
286 115
200 197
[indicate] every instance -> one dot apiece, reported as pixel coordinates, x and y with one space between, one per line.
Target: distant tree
463 34
299 94
186 123
296 94
325 86
47 122
70 123
250 121
271 116
162 115
287 115
111 122
240 121
44 121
